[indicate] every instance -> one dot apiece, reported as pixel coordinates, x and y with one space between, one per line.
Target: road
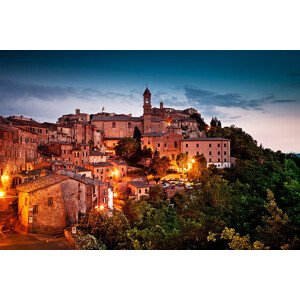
17 241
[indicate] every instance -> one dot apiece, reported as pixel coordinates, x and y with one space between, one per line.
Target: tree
127 148
274 231
182 161
137 135
131 211
159 165
201 124
198 165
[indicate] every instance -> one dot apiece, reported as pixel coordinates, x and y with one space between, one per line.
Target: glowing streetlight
4 178
2 194
193 161
101 207
115 194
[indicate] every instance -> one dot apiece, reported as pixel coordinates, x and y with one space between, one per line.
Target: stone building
97 156
18 150
49 204
138 189
53 202
168 144
103 171
215 150
77 154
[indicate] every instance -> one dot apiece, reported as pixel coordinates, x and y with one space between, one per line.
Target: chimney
77 111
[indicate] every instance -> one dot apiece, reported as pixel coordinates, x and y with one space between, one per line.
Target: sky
258 91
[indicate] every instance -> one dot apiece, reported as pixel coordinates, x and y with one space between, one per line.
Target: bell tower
147 102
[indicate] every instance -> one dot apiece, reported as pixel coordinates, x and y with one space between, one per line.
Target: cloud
284 101
44 102
210 98
207 98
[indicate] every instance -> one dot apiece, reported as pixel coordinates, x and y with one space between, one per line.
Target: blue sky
255 90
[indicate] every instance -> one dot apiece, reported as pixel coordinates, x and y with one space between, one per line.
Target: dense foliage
253 205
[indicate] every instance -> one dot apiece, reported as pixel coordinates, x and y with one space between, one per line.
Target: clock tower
147 102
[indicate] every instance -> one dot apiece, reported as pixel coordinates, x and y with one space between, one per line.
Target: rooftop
97 153
116 118
41 183
139 184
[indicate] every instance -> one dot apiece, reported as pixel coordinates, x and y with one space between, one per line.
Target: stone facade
215 150
18 150
49 204
168 144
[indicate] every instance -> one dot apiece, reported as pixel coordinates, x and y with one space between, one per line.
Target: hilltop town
60 171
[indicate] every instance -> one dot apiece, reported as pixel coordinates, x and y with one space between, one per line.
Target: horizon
254 90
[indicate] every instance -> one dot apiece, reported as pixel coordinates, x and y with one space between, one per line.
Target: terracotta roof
115 118
103 164
97 153
139 184
41 183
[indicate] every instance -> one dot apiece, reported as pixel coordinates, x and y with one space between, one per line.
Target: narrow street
17 241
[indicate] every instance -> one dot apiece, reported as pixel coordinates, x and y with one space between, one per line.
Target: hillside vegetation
253 205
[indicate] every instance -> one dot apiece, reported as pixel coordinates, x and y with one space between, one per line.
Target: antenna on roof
103 109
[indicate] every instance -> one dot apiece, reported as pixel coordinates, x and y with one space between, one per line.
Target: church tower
147 102
147 111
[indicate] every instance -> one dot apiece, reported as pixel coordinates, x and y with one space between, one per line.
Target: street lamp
2 194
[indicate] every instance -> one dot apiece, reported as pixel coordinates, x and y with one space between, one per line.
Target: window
197 152
225 145
219 160
218 145
50 201
218 152
140 191
209 152
165 145
225 152
175 144
186 153
209 145
210 160
113 124
158 144
186 145
197 145
129 125
224 159
35 209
